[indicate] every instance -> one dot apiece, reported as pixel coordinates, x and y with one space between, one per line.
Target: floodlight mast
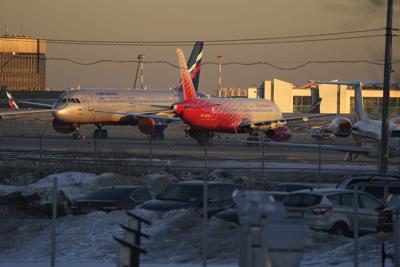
384 149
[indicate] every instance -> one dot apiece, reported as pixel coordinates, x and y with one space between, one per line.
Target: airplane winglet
11 102
189 91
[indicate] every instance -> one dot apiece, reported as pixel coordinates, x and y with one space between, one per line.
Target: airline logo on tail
189 92
194 63
11 102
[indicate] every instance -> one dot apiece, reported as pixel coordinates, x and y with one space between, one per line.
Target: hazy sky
163 20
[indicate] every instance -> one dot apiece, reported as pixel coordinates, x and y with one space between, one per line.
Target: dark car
112 198
231 215
189 194
38 203
378 185
385 218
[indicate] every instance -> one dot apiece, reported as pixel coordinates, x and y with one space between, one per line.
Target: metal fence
37 227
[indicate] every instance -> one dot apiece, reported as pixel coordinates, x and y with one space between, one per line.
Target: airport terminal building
335 98
22 63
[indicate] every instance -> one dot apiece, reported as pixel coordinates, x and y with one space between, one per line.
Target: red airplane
205 116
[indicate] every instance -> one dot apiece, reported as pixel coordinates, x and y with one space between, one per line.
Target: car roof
370 177
323 191
309 184
201 182
123 187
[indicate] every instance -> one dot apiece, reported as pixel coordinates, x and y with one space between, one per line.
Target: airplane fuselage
83 106
227 115
368 133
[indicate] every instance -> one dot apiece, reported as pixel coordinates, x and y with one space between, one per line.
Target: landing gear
76 134
99 133
202 138
158 132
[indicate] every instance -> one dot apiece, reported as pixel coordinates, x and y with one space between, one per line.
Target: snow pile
73 184
78 184
327 250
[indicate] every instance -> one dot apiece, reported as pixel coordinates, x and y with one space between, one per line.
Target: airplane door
89 101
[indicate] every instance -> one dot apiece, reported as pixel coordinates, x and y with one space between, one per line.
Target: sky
161 20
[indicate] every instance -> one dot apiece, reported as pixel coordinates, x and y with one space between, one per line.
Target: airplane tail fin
11 102
189 92
359 104
194 65
315 107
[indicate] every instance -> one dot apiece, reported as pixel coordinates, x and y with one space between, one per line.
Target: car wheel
339 228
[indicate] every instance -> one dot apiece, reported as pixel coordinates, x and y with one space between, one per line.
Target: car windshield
184 193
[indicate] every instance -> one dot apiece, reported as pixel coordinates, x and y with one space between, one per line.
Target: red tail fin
11 102
188 89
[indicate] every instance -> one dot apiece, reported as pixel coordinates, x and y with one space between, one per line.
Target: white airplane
366 132
77 107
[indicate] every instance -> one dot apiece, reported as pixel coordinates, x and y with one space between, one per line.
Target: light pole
140 59
384 149
220 75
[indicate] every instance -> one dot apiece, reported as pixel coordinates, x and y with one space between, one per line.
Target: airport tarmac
24 135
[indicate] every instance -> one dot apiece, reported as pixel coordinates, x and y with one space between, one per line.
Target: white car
332 210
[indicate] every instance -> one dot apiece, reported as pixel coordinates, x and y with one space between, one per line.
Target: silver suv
332 210
378 185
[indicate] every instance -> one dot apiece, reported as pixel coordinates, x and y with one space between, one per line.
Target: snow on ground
176 236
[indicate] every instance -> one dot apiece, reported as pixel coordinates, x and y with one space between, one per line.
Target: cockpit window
395 133
77 100
63 100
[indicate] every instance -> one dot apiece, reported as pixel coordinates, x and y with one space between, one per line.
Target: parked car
332 210
189 194
231 214
378 185
112 198
38 203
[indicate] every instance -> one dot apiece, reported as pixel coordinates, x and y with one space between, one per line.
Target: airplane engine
279 134
62 127
341 127
147 125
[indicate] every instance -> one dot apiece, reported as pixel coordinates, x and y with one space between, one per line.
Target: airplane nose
59 113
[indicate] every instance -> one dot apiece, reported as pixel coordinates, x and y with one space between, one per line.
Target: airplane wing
303 118
36 104
142 116
306 118
14 112
338 148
